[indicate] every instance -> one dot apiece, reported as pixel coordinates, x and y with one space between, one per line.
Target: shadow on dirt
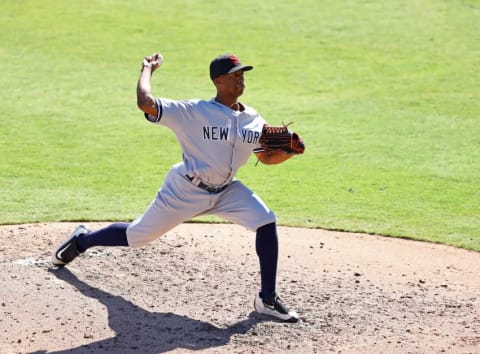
140 331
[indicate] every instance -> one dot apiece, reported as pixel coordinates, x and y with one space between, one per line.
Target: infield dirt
193 290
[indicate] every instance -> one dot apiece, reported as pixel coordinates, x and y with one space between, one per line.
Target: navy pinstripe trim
159 109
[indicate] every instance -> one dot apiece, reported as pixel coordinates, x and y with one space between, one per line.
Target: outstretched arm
145 99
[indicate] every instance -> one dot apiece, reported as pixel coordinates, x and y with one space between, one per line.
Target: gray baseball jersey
216 141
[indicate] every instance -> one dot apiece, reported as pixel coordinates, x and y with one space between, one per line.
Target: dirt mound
193 290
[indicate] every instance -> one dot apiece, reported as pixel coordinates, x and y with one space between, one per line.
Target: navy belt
209 188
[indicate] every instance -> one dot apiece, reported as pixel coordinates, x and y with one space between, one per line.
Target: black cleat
68 251
273 306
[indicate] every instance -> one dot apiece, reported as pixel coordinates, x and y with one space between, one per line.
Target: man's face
232 84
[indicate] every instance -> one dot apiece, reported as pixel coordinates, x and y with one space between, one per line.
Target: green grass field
385 93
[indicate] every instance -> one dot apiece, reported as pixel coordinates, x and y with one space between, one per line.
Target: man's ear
218 81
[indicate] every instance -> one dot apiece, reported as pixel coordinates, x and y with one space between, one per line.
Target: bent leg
242 206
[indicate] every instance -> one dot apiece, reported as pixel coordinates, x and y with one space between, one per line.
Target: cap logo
234 59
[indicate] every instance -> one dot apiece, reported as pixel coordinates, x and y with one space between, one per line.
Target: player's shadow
140 331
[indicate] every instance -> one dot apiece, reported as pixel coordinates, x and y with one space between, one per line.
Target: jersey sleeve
172 113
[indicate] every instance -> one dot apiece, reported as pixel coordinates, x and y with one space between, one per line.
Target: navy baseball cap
226 64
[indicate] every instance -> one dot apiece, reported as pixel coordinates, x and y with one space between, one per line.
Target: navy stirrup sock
112 235
267 251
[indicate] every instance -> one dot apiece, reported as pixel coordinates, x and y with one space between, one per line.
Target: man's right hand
153 61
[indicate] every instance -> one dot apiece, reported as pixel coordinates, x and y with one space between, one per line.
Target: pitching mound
193 290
